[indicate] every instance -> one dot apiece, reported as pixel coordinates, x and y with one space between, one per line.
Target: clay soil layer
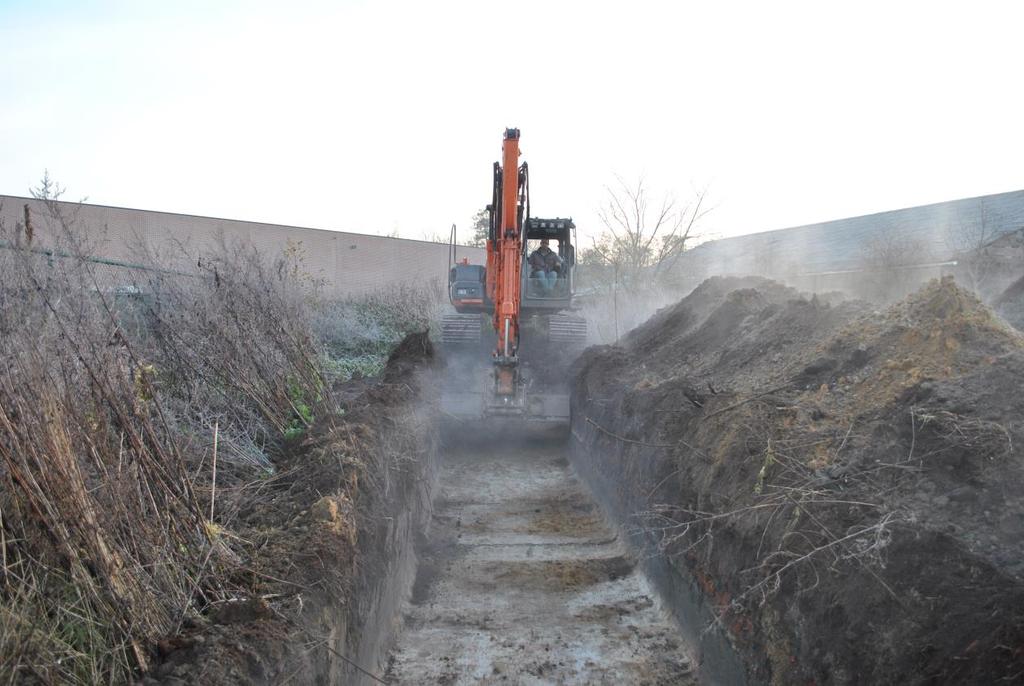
842 487
522 582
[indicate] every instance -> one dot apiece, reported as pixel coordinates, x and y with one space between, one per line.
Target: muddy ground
842 487
521 581
323 546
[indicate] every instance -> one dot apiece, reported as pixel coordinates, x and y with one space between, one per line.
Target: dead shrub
235 342
102 534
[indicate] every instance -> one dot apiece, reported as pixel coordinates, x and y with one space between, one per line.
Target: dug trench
757 487
377 555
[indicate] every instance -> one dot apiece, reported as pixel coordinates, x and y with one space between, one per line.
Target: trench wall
335 538
621 475
388 565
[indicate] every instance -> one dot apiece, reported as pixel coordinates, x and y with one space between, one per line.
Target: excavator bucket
469 392
468 405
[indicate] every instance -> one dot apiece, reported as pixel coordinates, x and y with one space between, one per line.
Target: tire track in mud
522 582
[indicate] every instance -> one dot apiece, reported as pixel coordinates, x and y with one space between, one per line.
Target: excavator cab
540 294
551 301
467 289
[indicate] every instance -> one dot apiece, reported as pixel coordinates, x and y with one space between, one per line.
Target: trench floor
522 582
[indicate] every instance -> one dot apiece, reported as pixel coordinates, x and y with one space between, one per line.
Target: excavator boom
507 248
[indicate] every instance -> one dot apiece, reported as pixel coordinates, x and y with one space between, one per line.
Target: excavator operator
545 265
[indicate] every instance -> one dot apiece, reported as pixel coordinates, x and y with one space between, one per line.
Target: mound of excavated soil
844 485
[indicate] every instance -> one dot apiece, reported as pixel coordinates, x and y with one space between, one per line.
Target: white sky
376 116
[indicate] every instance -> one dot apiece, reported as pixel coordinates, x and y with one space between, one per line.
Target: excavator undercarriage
547 347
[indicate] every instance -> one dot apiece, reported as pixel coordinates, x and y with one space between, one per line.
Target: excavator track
567 329
460 329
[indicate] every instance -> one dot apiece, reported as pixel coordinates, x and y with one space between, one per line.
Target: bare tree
433 237
48 189
481 228
974 246
642 240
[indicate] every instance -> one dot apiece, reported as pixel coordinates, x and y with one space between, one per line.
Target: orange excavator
523 304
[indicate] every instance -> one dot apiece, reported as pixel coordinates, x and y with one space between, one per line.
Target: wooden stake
213 486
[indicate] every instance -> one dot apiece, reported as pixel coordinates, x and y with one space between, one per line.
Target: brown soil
560 575
566 521
311 542
842 484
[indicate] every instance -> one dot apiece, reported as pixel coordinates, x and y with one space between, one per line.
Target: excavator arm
504 261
